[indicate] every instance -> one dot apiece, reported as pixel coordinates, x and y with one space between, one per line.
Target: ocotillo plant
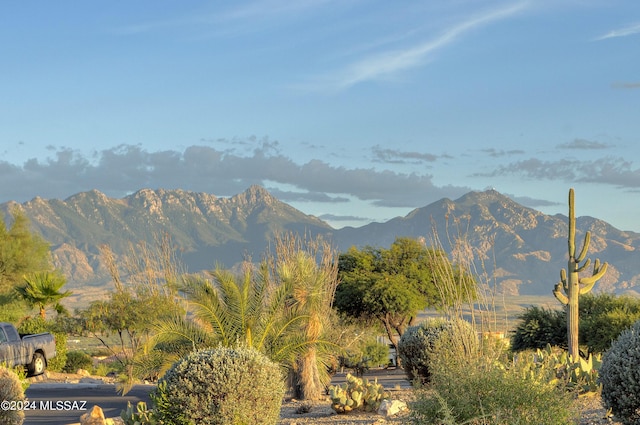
572 285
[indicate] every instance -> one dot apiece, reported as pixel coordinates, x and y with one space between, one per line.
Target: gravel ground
320 413
592 412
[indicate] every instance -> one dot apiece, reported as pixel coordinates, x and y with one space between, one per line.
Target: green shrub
620 376
602 318
483 391
538 327
417 343
222 386
78 360
11 391
371 354
37 324
105 368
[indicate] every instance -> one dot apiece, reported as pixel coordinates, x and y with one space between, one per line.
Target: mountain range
517 249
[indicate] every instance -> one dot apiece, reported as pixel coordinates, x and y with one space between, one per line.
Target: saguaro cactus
571 285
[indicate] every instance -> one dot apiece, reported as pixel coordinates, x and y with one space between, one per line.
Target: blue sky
353 111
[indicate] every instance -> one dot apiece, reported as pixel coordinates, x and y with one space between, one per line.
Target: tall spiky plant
571 285
309 267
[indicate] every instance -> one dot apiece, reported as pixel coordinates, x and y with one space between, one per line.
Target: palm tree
278 308
42 289
229 310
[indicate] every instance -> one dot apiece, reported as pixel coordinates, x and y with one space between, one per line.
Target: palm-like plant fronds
43 289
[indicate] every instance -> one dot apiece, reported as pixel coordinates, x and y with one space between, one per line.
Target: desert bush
11 391
539 326
602 318
369 355
78 360
416 345
105 368
222 386
483 391
35 325
620 376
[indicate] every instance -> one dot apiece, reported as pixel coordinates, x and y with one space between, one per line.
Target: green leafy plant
78 360
222 386
538 327
603 317
356 394
369 355
391 286
620 376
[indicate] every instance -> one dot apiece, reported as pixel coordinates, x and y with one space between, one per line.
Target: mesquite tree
571 285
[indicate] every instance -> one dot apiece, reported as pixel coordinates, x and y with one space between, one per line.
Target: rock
94 417
82 372
391 407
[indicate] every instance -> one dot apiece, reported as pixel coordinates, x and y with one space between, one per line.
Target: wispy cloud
621 32
497 153
386 65
584 144
333 217
617 172
396 156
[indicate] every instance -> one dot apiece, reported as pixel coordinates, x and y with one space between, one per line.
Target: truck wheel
37 365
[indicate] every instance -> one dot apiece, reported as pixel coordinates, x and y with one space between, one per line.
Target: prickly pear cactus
138 415
356 394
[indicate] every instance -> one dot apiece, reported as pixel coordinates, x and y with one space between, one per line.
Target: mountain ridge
521 248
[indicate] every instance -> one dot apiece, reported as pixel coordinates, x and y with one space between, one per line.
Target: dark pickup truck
32 351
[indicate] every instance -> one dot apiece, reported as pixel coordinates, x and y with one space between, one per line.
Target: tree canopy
21 251
392 285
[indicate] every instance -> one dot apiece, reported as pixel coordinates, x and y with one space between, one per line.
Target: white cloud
386 65
621 32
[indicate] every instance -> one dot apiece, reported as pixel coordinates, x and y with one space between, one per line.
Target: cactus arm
563 279
587 286
596 266
584 266
560 296
596 276
585 247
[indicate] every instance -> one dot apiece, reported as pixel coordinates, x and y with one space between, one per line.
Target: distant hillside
206 229
522 248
